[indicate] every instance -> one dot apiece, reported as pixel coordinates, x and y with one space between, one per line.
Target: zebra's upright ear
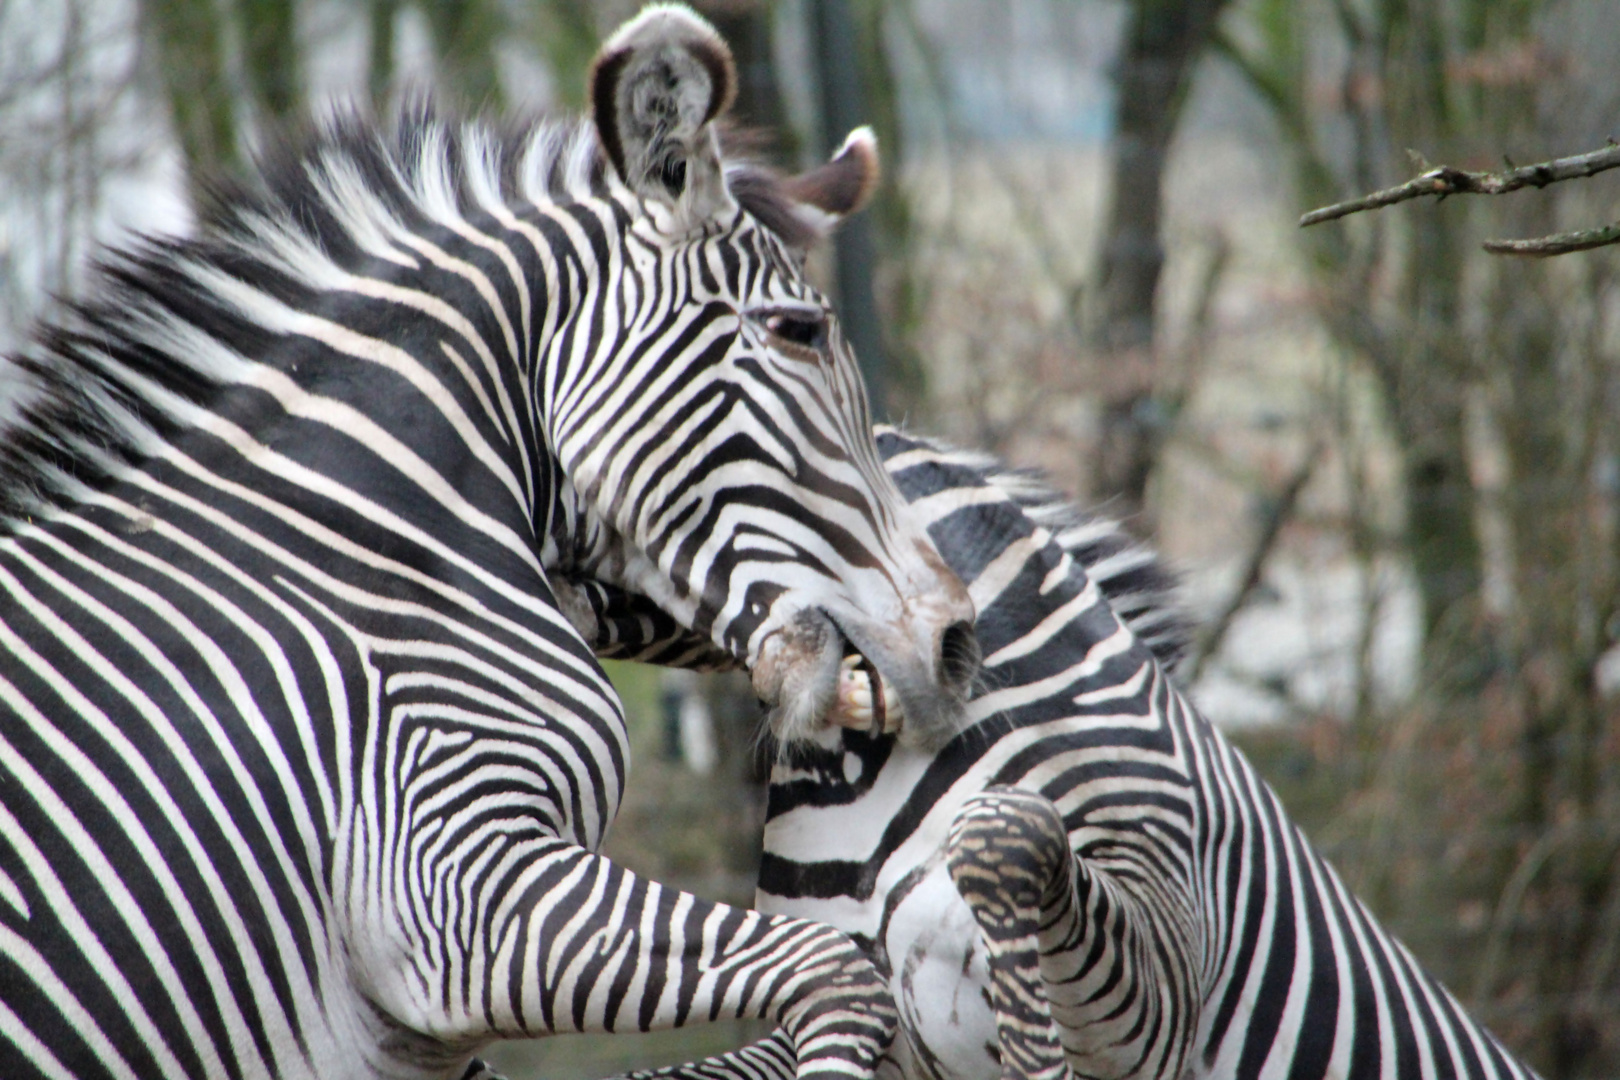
803 210
827 194
656 88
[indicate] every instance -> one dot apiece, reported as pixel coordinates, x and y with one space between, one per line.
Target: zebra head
719 442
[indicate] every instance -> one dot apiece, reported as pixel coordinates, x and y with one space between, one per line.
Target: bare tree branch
1445 180
1558 243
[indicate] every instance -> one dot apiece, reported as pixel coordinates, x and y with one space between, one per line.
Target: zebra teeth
865 702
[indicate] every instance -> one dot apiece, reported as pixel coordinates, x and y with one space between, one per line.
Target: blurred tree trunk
1164 40
565 32
271 57
843 108
1426 371
905 375
464 37
383 17
187 39
746 26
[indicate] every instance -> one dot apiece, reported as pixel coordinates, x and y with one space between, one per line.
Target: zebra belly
935 961
940 984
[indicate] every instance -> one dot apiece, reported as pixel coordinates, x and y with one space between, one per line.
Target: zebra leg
1083 966
1008 854
771 1058
572 942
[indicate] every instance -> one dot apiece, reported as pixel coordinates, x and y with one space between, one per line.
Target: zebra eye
806 328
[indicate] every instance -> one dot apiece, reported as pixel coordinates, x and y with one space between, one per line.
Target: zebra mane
1144 593
103 386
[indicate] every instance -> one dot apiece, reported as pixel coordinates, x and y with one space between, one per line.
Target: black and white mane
117 373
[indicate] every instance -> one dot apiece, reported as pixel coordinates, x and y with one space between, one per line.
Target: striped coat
1091 879
302 762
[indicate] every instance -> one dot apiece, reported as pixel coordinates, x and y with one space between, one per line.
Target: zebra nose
942 604
927 653
957 658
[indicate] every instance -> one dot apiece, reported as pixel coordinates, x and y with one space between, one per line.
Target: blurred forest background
1382 458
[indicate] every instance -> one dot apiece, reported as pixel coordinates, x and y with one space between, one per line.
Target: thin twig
1445 180
1278 514
1558 243
1507 909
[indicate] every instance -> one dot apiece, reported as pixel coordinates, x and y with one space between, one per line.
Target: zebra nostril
958 657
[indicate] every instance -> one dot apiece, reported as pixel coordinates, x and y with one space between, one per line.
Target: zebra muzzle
810 677
817 670
796 673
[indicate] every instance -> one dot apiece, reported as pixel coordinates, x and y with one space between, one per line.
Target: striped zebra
302 763
1090 880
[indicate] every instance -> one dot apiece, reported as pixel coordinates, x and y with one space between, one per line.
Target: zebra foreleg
1008 854
572 942
771 1058
1083 967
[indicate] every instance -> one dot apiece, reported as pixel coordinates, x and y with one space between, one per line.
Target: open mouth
864 702
813 673
811 676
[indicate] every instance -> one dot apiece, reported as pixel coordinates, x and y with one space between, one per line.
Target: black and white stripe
301 764
1194 932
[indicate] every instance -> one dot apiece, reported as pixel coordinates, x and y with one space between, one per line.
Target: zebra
1091 880
303 765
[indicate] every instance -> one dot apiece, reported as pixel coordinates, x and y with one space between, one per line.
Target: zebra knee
1008 853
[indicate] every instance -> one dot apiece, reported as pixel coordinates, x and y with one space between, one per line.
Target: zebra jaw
808 684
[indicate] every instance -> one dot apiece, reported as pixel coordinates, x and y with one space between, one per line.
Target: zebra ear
656 88
827 194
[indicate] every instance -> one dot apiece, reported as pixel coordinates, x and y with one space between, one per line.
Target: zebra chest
856 840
